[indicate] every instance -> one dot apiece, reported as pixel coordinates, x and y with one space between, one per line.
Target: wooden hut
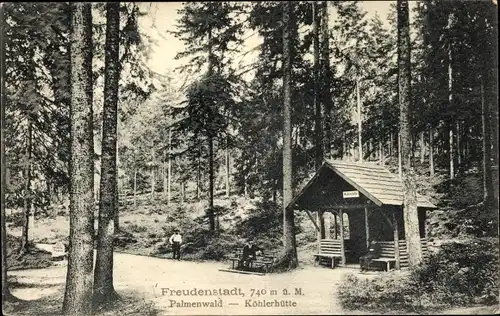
366 201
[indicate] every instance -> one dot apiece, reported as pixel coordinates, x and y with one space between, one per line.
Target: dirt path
150 278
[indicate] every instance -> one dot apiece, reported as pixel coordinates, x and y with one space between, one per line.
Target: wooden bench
330 248
387 253
264 260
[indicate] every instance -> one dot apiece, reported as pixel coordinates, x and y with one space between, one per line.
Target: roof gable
375 182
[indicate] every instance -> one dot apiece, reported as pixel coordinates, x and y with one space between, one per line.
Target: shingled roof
374 181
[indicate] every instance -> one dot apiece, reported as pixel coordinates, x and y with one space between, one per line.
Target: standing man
176 241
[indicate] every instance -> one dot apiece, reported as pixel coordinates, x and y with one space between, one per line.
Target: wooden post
360 129
396 238
335 232
342 250
367 229
327 223
318 233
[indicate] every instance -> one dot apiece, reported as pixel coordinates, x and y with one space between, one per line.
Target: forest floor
141 281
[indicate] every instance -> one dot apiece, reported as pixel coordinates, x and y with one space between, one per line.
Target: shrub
379 293
458 274
133 227
461 273
201 243
33 258
462 191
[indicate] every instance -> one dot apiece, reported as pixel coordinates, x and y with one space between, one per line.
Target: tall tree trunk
422 147
28 195
211 215
116 222
326 99
108 204
431 151
360 128
319 155
164 174
459 154
400 162
227 163
487 153
290 260
382 153
153 180
412 232
450 104
79 278
169 163
6 295
198 175
318 121
493 99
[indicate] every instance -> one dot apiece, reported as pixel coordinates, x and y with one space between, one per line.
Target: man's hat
176 230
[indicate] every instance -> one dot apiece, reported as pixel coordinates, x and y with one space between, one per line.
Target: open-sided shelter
366 201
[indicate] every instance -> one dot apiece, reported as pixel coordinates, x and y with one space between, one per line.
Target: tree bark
169 163
290 260
318 121
459 154
28 195
79 278
487 153
431 151
198 175
6 295
450 104
211 215
360 128
108 204
422 147
493 99
412 233
400 165
227 163
326 99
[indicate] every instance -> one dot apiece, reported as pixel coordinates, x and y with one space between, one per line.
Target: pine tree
108 203
79 278
318 123
208 29
6 295
412 233
290 250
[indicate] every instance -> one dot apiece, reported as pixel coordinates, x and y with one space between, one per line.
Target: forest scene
311 129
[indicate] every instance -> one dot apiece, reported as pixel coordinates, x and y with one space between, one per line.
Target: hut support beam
342 248
396 239
318 233
312 220
367 229
335 231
